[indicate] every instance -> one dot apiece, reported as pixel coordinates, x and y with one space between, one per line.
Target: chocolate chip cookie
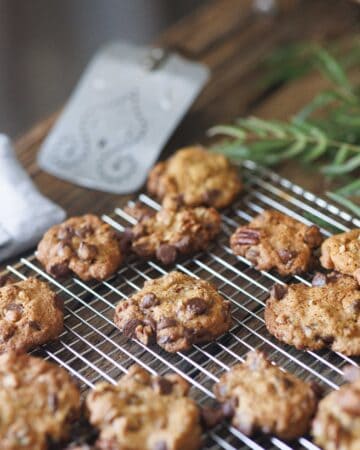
342 253
175 311
326 314
38 402
145 412
84 245
273 240
196 177
259 396
337 422
30 314
170 234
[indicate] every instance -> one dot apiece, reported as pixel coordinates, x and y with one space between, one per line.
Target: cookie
30 314
145 412
170 234
342 253
175 311
196 177
38 402
273 240
84 245
337 422
259 396
326 314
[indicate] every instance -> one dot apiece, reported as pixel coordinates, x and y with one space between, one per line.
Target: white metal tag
124 109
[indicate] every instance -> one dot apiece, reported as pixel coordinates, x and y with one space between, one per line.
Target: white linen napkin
25 214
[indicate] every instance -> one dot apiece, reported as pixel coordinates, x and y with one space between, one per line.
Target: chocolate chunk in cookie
169 234
175 311
273 240
84 245
326 314
30 314
145 412
337 422
195 177
342 253
259 396
38 402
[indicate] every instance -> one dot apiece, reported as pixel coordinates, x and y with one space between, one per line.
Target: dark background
46 44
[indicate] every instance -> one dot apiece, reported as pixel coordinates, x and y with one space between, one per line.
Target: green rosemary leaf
229 130
320 101
321 223
351 189
340 169
345 202
332 69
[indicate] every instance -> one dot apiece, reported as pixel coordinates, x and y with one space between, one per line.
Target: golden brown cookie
259 396
38 402
84 245
326 314
342 253
145 412
175 311
273 240
337 422
197 177
30 314
170 234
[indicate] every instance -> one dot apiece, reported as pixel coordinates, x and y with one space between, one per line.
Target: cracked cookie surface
145 412
38 402
342 253
170 234
259 396
31 314
273 240
337 423
84 245
197 177
326 314
175 311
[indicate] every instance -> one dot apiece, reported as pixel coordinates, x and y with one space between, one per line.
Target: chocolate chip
317 389
288 384
53 402
84 231
246 236
228 407
351 373
313 236
210 195
184 245
59 270
278 291
130 327
166 253
159 445
149 300
355 306
151 322
65 233
328 340
86 251
125 239
166 322
196 305
319 279
286 255
64 250
34 325
210 416
162 386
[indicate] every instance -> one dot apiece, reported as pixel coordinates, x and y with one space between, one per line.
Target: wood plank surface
232 39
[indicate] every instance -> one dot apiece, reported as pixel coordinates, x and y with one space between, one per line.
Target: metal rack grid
93 349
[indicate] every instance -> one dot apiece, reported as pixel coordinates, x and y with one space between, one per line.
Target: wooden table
232 39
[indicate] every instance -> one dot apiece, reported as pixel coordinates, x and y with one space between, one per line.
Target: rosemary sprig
326 131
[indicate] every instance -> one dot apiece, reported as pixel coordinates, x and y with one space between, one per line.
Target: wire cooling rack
93 349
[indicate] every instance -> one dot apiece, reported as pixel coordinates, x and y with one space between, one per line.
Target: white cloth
25 214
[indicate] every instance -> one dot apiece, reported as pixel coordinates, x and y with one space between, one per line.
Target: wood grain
232 39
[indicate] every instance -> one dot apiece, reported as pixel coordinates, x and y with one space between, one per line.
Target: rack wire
93 349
